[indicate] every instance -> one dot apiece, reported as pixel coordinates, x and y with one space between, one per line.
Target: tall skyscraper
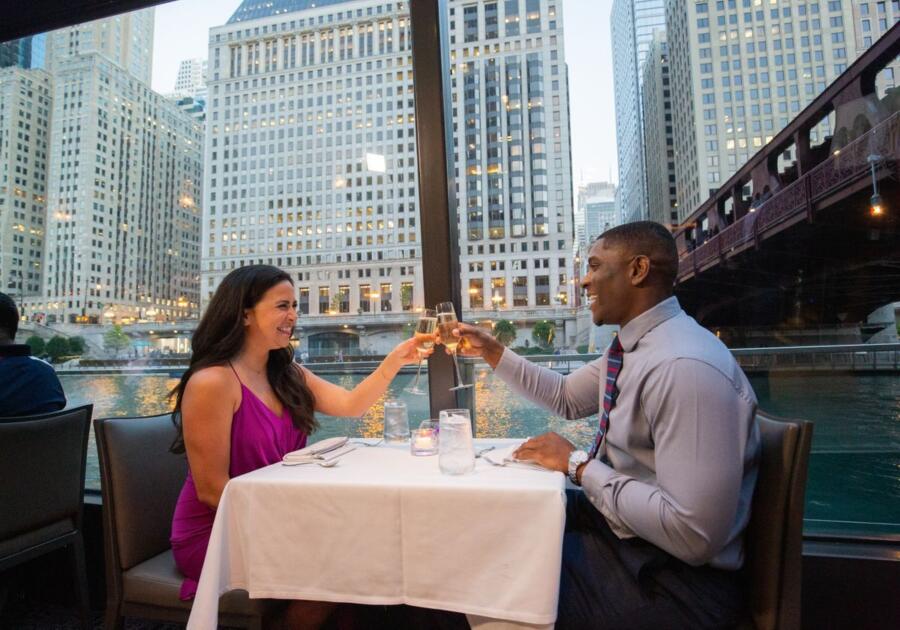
125 39
191 79
599 216
632 25
28 52
741 70
659 136
123 199
25 110
587 228
124 182
513 161
312 162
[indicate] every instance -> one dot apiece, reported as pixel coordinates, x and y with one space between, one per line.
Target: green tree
115 340
505 332
36 344
543 333
57 347
76 345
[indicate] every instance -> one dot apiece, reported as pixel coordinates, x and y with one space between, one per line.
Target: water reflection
854 477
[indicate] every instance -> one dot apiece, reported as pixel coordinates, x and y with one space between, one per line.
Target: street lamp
876 206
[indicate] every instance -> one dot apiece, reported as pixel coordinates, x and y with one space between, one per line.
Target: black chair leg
79 568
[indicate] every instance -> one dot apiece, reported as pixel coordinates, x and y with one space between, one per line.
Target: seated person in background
27 384
243 403
656 538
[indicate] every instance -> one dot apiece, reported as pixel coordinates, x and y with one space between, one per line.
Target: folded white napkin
505 457
325 450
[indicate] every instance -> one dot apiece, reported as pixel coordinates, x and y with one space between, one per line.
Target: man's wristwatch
576 459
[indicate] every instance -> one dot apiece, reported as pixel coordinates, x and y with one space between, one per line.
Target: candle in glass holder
424 441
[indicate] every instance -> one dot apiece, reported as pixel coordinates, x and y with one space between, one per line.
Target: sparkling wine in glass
446 320
424 335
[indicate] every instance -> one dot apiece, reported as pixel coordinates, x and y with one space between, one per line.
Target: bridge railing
820 181
844 357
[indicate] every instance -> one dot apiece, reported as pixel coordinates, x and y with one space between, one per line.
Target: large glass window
137 177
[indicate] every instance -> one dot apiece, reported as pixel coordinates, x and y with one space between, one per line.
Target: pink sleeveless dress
259 438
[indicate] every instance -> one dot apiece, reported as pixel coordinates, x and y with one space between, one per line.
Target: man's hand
477 342
550 450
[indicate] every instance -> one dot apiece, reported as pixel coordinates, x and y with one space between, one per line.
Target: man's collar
15 350
632 332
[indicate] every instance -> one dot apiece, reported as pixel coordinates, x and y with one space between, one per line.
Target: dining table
386 527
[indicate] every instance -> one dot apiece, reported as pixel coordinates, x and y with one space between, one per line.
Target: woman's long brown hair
220 335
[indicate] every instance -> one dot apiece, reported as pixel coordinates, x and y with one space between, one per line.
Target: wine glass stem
456 365
418 371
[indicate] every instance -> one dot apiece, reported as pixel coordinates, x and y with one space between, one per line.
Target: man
655 539
27 384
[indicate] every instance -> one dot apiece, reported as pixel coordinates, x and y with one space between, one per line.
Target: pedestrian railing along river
848 357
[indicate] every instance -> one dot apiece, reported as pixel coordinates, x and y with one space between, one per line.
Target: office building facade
27 52
632 24
25 115
741 70
659 136
125 39
191 78
311 156
514 175
124 190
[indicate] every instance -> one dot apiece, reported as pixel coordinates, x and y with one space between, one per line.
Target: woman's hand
406 352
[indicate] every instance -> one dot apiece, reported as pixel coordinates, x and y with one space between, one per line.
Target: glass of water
456 450
396 422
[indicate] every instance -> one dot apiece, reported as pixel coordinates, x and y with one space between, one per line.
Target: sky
182 32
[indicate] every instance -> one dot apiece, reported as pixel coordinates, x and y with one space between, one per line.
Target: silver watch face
576 459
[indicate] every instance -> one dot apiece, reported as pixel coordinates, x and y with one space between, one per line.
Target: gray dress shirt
678 465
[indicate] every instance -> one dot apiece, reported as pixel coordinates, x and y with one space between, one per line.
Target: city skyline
588 57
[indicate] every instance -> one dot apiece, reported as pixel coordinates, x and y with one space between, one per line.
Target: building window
406 296
385 296
520 291
303 302
533 16
476 293
365 306
324 306
542 290
344 299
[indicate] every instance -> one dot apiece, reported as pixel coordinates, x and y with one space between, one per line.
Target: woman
243 403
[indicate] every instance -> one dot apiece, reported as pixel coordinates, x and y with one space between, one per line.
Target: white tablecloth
384 527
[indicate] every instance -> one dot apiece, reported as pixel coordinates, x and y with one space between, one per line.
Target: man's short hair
9 317
649 239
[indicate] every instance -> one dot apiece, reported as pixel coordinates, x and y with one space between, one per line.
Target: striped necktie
611 392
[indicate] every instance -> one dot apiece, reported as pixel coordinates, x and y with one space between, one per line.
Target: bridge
354 334
807 244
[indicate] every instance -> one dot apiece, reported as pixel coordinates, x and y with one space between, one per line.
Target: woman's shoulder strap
235 373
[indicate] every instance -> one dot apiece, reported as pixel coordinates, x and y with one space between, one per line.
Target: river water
854 477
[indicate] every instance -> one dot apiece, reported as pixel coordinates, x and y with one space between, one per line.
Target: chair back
140 481
774 537
42 461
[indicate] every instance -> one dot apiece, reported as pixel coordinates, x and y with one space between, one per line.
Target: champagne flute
424 340
446 319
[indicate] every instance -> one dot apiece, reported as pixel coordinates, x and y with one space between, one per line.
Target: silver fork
484 450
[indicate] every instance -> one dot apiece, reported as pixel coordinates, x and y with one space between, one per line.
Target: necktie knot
615 348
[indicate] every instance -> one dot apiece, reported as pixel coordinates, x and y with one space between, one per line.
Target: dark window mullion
437 199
